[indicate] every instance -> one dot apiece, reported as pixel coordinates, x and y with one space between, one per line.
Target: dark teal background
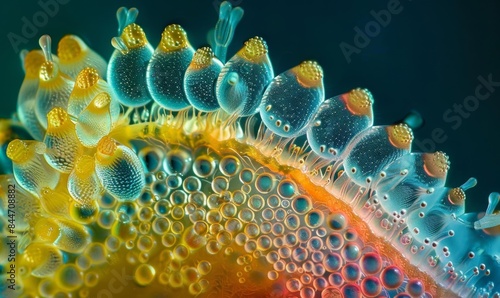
427 58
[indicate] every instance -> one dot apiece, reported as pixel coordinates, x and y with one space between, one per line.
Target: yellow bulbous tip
17 151
84 164
133 36
309 74
48 71
70 48
101 100
400 135
436 164
254 49
202 58
456 196
32 63
359 102
87 78
106 146
57 117
47 229
174 38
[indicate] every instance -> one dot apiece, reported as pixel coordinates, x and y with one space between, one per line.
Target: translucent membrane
167 67
128 65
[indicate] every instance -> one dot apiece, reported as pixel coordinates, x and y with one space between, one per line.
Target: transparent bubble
256 202
290 239
246 176
351 272
228 210
351 252
69 277
284 252
91 279
106 201
160 225
181 252
264 242
292 222
220 184
229 165
291 267
307 292
204 166
151 158
146 198
168 240
371 286
233 225
239 197
265 227
173 181
145 214
83 262
320 283
293 285
337 221
241 239
335 241
252 230
272 275
351 290
315 243
144 274
177 227
129 208
204 267
162 208
96 252
159 188
299 254
178 198
178 161
264 183
213 247
314 218
268 214
287 189
198 198
145 243
250 246
273 201
278 229
317 256
106 219
303 234
371 263
272 257
213 216
191 184
415 288
392 277
350 235
279 265
224 238
112 243
280 214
